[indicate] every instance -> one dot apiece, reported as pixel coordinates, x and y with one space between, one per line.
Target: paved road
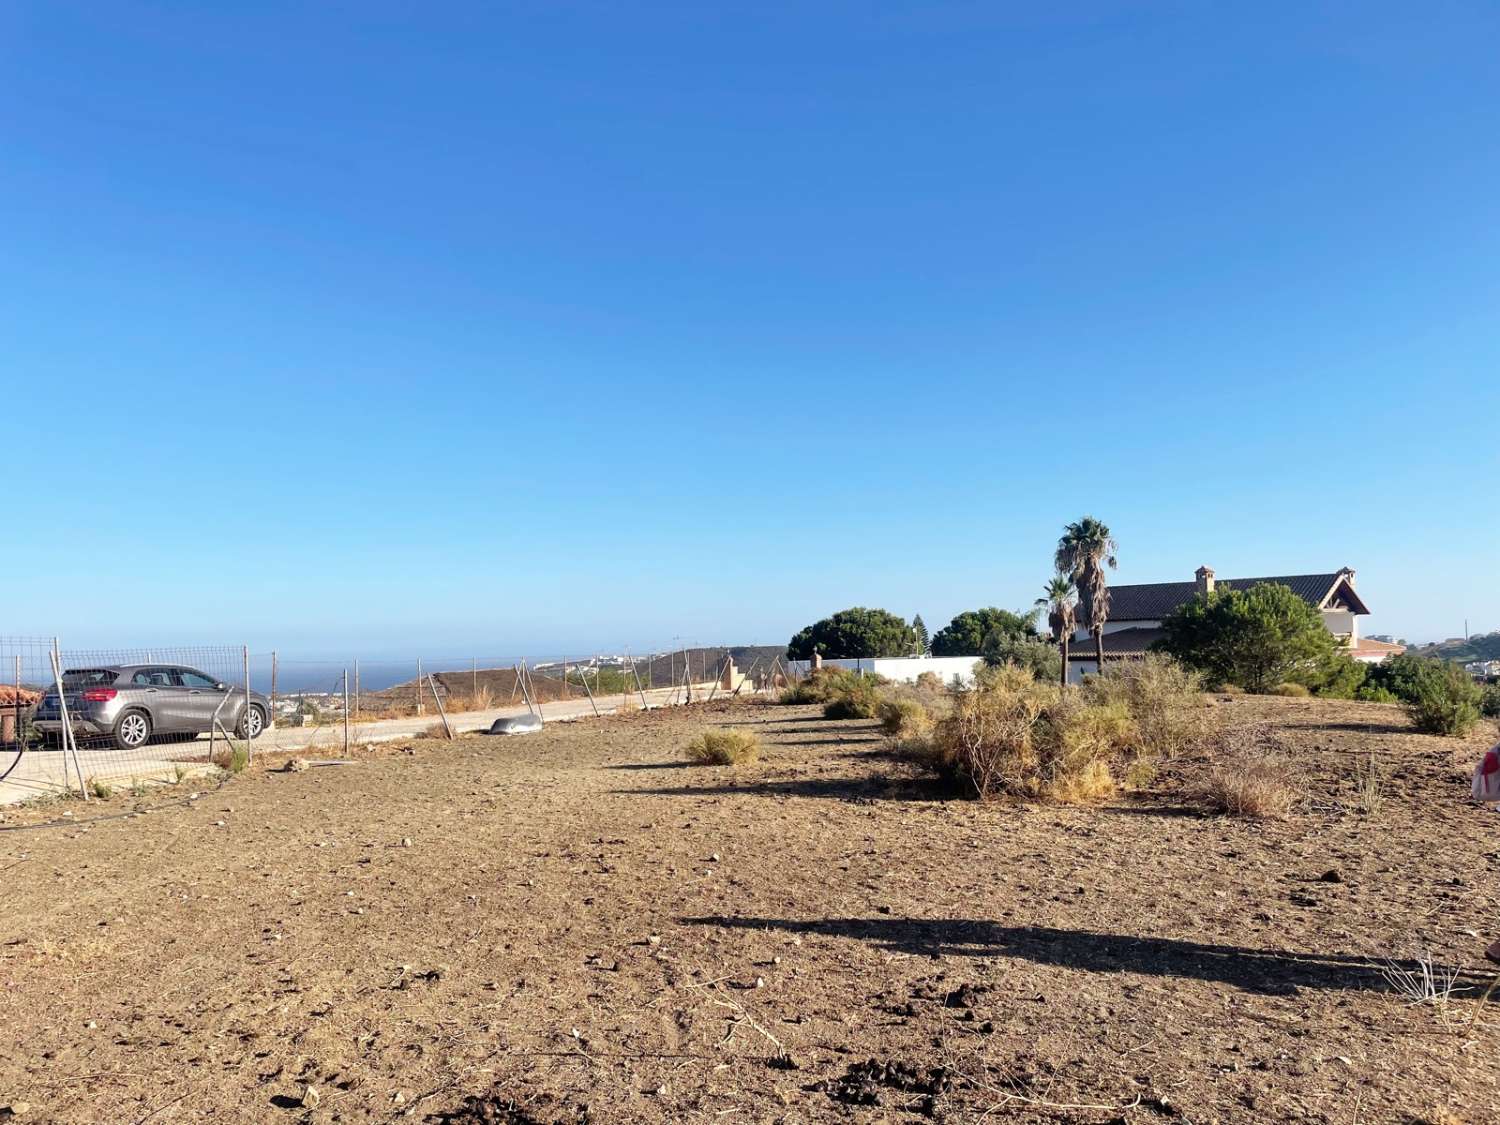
44 773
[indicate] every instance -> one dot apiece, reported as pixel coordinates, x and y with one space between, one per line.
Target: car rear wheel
132 730
251 723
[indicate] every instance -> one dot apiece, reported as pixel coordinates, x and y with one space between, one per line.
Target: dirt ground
575 926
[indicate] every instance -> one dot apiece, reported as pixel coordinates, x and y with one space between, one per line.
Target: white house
1136 613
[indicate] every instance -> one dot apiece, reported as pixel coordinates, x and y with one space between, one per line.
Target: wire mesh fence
90 721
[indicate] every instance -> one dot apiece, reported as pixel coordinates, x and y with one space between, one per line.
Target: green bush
1444 700
1398 675
1371 694
1341 677
1489 701
723 748
1041 658
1292 691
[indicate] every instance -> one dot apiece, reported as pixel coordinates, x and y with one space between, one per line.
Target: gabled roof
1152 601
1136 641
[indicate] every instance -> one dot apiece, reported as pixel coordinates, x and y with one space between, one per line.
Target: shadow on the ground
673 765
1147 809
836 729
829 788
834 741
1271 972
1363 727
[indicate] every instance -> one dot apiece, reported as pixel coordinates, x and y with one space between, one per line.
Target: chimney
1205 577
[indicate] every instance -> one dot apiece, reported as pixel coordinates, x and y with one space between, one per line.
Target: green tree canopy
1256 638
854 633
924 642
1042 660
967 633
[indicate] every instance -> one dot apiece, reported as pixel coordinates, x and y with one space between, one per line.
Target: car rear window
87 677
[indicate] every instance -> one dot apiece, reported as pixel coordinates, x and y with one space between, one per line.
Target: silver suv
136 703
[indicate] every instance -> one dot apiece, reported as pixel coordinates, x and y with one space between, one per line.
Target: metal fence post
68 741
249 738
346 712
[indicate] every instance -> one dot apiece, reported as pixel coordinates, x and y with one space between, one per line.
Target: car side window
197 681
153 677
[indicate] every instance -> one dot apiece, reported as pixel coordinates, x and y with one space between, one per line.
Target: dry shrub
819 686
905 718
1230 689
930 682
1014 735
1292 691
854 698
1253 776
716 747
1165 700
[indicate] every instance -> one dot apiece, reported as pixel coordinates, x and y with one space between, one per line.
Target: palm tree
1057 599
1083 552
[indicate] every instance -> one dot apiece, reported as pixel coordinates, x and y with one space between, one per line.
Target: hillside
705 662
1481 646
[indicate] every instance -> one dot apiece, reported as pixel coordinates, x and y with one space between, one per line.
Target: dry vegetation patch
723 748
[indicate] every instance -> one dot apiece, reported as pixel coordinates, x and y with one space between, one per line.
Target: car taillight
99 695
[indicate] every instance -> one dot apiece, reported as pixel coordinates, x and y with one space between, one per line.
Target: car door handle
195 692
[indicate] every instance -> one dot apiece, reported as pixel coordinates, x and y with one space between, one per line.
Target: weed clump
716 747
1254 777
904 718
857 698
231 759
1291 691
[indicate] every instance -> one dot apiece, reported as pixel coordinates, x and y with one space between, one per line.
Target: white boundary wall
905 669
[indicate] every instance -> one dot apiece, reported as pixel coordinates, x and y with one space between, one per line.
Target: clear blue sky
538 327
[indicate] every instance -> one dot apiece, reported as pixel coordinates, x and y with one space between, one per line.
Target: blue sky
531 328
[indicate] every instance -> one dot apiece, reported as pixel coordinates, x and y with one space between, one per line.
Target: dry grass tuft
1253 777
1369 788
723 748
1292 691
1423 981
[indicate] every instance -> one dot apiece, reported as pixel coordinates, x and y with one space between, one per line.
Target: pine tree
919 627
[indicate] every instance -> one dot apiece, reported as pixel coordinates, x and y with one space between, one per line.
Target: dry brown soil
574 926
